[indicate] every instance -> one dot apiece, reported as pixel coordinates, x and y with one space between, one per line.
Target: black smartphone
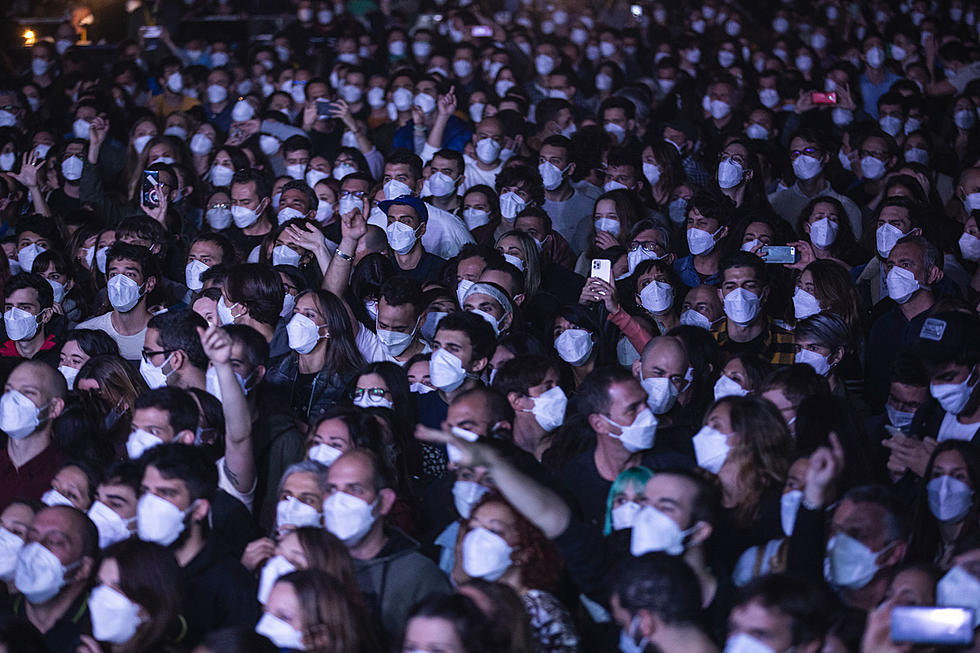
151 179
324 109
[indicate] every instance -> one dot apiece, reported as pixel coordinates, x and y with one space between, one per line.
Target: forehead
349 469
402 211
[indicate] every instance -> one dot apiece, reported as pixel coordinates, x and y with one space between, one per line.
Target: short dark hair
296 143
257 286
93 342
497 405
563 142
481 335
713 205
452 155
593 394
663 584
120 251
221 241
176 402
255 349
745 260
402 156
303 187
896 525
145 228
178 331
399 290
616 102
250 175
521 373
799 599
908 369
187 463
45 295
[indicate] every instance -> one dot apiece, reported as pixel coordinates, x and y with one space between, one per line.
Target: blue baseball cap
407 200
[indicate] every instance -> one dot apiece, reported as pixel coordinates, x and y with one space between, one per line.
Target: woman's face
283 602
109 576
333 432
289 547
303 486
367 383
418 372
736 372
758 231
796 476
605 209
720 419
52 274
805 282
17 518
823 210
912 587
562 325
73 484
630 493
432 634
72 355
145 128
325 194
222 158
161 150
497 518
654 274
308 306
951 463
511 245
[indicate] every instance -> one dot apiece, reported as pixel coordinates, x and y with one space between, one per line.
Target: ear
184 437
517 401
45 315
386 501
84 570
480 364
701 535
507 321
598 424
721 234
177 359
257 375
519 299
895 554
836 356
636 368
151 283
648 623
916 232
422 227
56 407
201 511
570 170
934 276
630 125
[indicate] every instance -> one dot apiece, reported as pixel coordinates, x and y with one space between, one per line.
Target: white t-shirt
476 176
951 429
445 234
130 347
374 351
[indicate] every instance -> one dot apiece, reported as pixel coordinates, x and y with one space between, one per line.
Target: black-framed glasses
147 355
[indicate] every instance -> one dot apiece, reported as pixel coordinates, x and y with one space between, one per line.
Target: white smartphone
601 269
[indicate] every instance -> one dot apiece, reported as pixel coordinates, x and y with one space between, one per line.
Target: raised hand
216 344
29 166
353 225
826 466
98 130
447 103
158 212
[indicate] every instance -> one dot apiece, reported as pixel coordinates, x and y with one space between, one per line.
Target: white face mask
192 274
348 517
139 442
154 375
124 293
293 512
467 494
700 241
639 435
657 296
742 306
274 569
624 515
726 386
661 394
710 448
158 520
848 563
743 643
574 346
960 589
446 370
804 304
655 531
691 317
280 633
511 204
730 173
20 324
823 232
244 217
401 237
901 284
950 499
213 386
872 168
486 555
324 454
899 418
303 333
55 498
549 408
817 361
953 397
488 150
969 246
226 313
885 238
115 619
39 575
71 168
219 217
285 255
10 546
18 415
112 528
789 506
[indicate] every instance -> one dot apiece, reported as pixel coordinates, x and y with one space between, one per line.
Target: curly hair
539 561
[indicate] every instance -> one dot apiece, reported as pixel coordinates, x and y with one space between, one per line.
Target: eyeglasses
147 355
373 393
357 194
815 152
648 245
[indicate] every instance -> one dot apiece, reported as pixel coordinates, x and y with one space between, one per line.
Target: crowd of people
532 327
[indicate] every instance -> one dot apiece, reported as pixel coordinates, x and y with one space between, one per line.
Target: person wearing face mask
779 613
388 564
809 156
897 217
488 142
172 353
250 201
28 310
114 510
407 218
170 78
945 503
664 371
70 166
531 386
179 488
744 290
876 78
136 601
132 274
52 579
617 116
33 398
708 217
398 331
445 130
877 155
566 205
491 302
822 341
445 180
913 273
219 102
721 114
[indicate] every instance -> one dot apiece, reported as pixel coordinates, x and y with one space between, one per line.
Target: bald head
46 389
969 182
46 377
663 356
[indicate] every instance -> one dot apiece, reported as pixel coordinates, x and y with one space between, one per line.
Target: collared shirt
30 480
774 344
690 277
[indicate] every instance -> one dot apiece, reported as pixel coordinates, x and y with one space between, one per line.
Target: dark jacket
326 389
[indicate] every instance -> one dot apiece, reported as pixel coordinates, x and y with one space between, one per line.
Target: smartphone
481 31
824 98
601 269
636 10
324 109
932 625
778 254
151 31
151 179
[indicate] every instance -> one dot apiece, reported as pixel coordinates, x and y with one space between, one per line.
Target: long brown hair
324 551
332 622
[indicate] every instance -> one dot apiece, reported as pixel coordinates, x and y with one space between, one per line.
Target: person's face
909 398
695 220
785 407
290 548
768 625
121 498
499 519
418 372
470 268
558 156
913 587
628 399
532 225
758 231
616 116
951 463
247 195
625 175
704 300
401 172
672 495
735 370
896 216
404 214
333 432
25 299
865 522
743 277
511 245
296 199
26 382
373 385
17 518
30 238
723 92
58 533
909 256
351 475
303 486
298 157
283 602
400 318
796 476
207 308
471 413
448 167
665 360
73 484
458 344
154 421
485 303
432 634
206 252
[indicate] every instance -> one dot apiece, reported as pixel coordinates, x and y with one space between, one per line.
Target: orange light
29 37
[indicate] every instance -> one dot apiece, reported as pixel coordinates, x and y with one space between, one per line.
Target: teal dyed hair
634 478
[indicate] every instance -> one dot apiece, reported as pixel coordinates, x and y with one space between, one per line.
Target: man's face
297 157
351 475
296 199
674 496
949 374
25 299
55 529
173 490
533 226
456 343
154 421
26 381
491 129
768 625
616 116
704 300
405 214
470 268
628 399
908 398
121 498
665 360
448 167
743 277
865 522
206 252
471 413
626 175
557 156
909 256
402 172
247 195
896 216
400 318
